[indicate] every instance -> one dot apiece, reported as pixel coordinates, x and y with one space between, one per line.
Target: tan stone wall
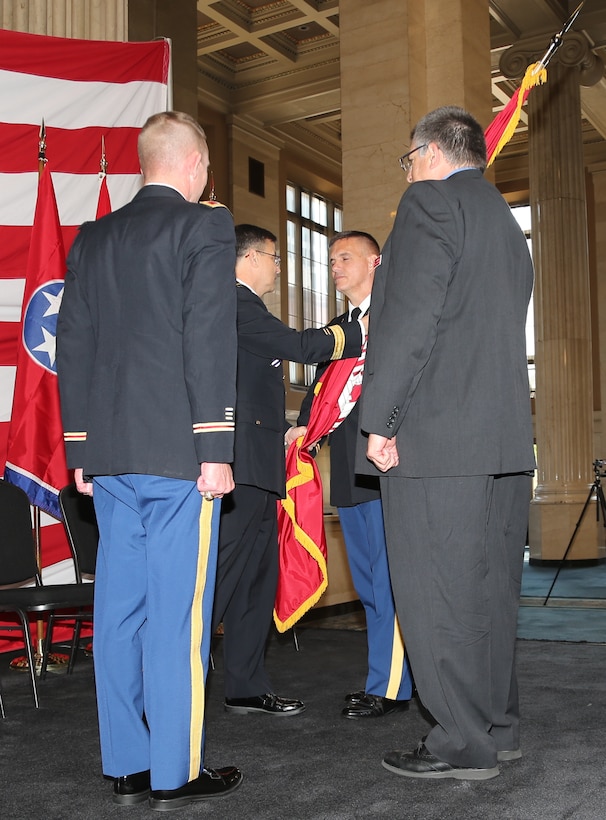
84 19
246 141
399 60
375 109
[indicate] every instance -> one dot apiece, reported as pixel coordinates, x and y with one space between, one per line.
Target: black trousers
456 548
247 576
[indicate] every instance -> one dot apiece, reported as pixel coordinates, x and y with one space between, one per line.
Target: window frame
312 219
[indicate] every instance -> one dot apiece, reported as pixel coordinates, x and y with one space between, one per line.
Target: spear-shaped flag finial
41 147
502 128
103 160
557 39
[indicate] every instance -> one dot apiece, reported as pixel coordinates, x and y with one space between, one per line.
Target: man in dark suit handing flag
247 571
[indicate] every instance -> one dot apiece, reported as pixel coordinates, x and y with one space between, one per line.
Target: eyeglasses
406 161
277 258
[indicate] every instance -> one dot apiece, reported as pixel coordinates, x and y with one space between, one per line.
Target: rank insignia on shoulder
212 203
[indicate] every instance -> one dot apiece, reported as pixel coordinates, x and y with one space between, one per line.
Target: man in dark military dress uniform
248 543
146 352
353 258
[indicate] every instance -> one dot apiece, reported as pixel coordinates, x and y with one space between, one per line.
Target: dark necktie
355 314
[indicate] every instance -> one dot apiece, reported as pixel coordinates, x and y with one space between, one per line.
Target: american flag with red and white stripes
86 93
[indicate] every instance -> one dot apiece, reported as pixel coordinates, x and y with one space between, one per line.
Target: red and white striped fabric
83 91
352 390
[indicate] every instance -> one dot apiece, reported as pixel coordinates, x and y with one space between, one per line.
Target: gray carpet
318 766
574 611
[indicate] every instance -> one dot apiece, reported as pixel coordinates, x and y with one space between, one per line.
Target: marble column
395 56
598 229
177 20
563 353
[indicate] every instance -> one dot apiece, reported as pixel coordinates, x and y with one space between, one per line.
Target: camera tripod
596 488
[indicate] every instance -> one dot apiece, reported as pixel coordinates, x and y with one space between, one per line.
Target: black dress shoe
355 697
506 755
421 763
131 789
211 783
268 704
373 706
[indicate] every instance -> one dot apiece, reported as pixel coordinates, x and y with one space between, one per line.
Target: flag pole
557 39
41 165
36 510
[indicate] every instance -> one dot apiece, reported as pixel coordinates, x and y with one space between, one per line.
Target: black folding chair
80 524
18 567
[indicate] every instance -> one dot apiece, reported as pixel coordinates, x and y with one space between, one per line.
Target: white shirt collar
244 284
364 305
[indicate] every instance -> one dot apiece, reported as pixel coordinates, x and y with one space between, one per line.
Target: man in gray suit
446 374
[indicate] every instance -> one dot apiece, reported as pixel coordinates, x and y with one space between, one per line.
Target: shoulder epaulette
212 203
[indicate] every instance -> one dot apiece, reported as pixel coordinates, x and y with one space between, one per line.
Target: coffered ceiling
278 62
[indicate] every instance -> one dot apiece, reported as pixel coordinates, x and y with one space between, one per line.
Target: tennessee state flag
303 575
35 453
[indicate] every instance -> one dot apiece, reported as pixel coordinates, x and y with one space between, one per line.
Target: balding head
172 150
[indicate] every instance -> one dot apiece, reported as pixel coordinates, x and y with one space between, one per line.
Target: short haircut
167 137
372 243
456 132
251 236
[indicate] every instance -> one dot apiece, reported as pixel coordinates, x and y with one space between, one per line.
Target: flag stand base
57 663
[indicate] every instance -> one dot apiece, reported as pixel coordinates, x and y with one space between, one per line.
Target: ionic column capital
575 52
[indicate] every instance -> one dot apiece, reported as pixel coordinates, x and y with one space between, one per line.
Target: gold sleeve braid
339 334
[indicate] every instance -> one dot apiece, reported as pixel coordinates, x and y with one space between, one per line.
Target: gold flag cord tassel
536 74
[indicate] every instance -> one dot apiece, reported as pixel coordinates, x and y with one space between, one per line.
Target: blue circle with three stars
40 324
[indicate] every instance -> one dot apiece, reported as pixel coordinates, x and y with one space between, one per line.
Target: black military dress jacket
146 340
263 341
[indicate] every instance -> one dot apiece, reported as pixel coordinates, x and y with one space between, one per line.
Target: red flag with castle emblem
302 557
35 453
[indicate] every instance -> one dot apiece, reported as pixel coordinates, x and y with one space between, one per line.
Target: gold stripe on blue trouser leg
197 627
397 662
